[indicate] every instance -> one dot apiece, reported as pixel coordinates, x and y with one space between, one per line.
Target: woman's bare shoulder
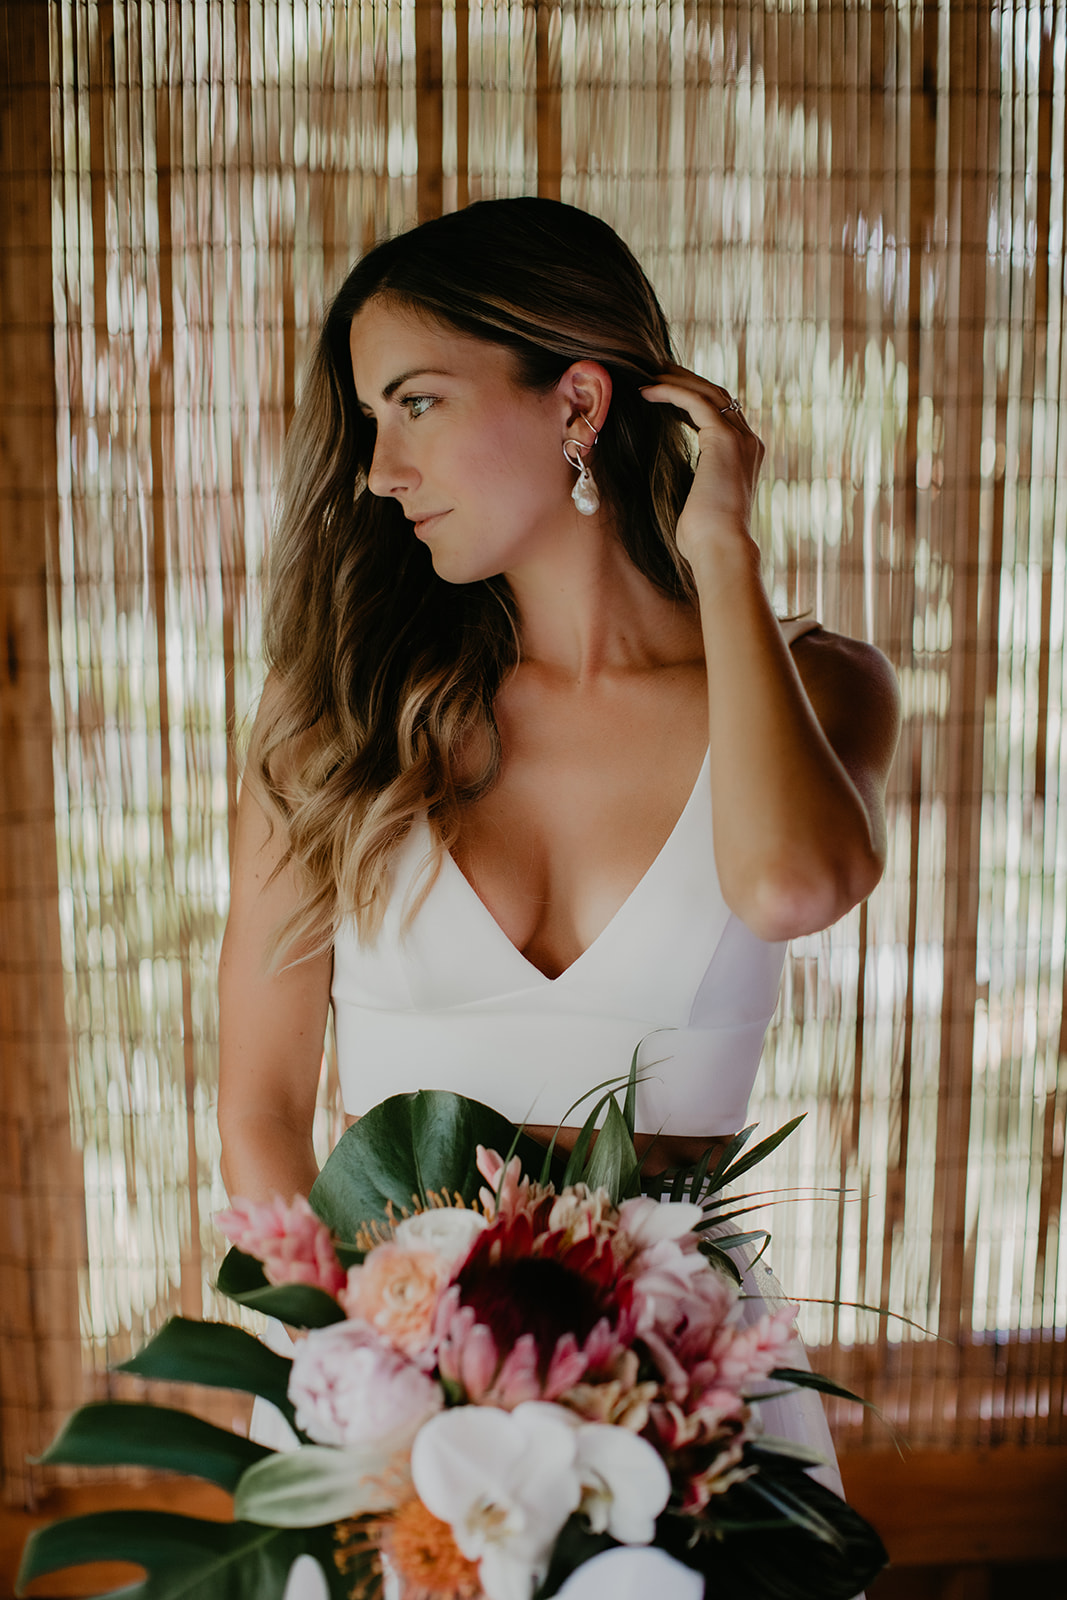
838 653
855 695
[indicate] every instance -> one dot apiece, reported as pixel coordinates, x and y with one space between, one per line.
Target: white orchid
625 1484
506 1482
633 1575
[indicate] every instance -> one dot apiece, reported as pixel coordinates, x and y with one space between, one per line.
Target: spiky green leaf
720 1260
613 1164
802 1379
758 1153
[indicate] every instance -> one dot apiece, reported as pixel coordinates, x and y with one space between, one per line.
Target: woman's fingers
724 483
714 413
702 401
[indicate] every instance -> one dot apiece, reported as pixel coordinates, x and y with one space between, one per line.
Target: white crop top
452 1004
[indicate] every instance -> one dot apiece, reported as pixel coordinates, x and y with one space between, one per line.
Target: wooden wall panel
41 1234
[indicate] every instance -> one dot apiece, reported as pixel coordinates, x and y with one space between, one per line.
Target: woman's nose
390 473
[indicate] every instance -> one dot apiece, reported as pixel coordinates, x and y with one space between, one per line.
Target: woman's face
474 460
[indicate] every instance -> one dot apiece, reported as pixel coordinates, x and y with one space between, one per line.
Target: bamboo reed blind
854 213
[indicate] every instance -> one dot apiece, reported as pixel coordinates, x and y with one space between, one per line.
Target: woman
536 773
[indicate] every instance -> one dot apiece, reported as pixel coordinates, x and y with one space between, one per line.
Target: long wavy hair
381 673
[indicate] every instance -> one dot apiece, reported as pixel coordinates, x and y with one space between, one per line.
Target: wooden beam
549 23
429 107
462 103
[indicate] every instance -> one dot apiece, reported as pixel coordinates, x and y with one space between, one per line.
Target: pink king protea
532 1312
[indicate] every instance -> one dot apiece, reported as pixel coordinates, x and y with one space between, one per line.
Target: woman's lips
422 523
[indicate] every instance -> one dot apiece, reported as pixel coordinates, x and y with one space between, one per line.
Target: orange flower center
427 1559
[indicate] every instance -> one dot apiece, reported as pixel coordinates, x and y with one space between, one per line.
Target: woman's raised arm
801 744
272 1021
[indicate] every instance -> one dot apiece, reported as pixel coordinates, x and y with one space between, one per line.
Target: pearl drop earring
584 494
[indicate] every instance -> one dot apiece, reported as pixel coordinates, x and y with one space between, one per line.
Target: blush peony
350 1389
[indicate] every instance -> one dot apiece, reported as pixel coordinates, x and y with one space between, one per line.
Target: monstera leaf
112 1433
215 1354
301 1305
406 1150
185 1558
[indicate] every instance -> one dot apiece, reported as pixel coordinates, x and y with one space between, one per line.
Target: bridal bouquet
510 1387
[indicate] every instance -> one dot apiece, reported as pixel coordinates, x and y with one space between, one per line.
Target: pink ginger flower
707 1393
293 1244
683 1306
509 1194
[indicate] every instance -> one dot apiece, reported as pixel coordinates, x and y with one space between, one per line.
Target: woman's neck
593 613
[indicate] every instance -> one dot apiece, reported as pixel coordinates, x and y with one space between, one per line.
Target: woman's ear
586 387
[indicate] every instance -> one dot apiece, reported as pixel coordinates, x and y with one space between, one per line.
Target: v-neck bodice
449 864
451 1003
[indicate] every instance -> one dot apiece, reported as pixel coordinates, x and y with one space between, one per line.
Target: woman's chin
457 569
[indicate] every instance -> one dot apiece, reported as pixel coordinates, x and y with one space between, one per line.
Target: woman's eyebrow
395 383
415 372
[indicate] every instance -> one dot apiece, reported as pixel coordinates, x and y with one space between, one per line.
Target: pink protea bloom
532 1312
683 1307
291 1242
468 1357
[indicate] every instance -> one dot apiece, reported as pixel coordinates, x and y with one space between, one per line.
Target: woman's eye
417 404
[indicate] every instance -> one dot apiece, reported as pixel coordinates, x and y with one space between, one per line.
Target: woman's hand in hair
800 741
719 506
